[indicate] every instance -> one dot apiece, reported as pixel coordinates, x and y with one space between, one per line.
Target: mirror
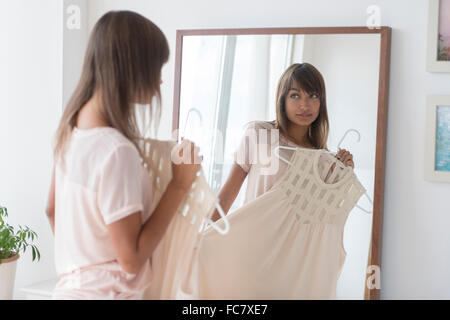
227 78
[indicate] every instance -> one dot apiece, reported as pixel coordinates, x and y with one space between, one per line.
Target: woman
302 121
100 196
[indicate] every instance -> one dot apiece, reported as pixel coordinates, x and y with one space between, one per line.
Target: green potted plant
11 243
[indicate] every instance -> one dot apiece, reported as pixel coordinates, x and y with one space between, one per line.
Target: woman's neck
90 115
299 135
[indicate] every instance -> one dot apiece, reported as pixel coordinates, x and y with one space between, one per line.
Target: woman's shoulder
257 130
260 124
105 140
117 138
90 150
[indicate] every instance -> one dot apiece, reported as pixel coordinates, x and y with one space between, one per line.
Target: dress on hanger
286 243
258 141
174 261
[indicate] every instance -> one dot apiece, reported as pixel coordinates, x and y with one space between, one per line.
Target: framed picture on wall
437 140
438 56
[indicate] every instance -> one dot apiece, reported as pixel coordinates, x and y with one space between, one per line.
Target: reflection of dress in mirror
313 268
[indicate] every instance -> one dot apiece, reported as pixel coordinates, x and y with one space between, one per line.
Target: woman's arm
133 242
50 208
230 190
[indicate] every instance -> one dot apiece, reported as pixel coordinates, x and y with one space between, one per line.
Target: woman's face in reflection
302 108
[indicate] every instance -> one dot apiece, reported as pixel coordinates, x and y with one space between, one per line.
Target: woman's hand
345 157
186 163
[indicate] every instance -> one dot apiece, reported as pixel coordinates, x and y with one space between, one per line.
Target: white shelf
40 291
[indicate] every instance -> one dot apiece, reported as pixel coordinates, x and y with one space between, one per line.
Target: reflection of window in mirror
239 77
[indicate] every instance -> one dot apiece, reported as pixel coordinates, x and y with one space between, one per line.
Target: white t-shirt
255 155
102 182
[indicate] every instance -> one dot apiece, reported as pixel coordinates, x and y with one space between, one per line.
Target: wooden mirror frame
374 258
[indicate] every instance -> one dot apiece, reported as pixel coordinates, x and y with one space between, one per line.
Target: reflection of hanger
339 146
343 138
199 114
371 202
277 154
345 134
329 152
218 207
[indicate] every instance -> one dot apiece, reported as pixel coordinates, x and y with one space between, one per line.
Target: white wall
29 112
350 67
415 236
416 241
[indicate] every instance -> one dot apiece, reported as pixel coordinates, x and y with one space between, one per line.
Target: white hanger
224 219
342 140
277 154
339 146
218 206
199 114
345 134
371 202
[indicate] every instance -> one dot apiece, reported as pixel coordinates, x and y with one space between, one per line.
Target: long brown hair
123 63
311 81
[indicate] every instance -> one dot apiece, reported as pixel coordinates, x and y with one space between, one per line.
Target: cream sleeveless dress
252 144
286 243
174 261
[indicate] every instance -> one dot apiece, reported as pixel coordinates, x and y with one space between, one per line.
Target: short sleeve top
101 182
255 155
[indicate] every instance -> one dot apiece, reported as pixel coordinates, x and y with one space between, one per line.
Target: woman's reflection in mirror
302 120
